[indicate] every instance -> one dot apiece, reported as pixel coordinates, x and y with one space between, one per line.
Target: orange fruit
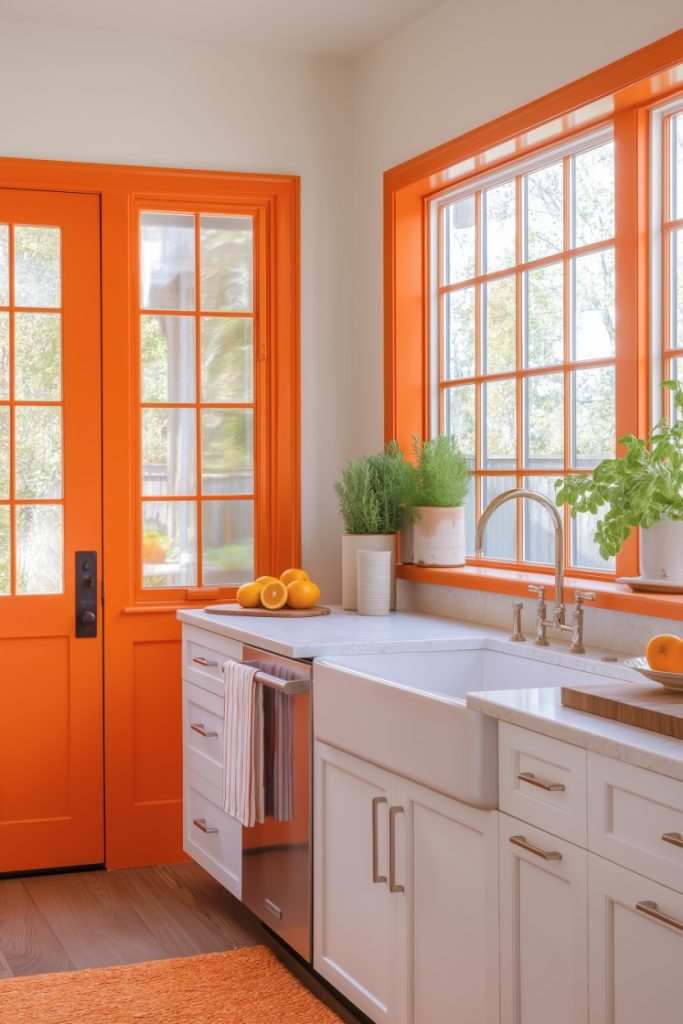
266 579
249 594
274 595
665 653
302 594
289 575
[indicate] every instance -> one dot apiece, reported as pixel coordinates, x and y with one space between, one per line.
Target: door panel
51 805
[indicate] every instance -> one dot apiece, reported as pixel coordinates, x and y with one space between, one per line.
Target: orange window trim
619 94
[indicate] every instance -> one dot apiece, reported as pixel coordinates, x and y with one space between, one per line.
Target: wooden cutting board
645 705
281 613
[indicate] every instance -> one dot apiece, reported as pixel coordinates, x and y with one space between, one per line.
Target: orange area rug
245 986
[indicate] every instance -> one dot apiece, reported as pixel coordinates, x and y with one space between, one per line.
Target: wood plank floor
100 918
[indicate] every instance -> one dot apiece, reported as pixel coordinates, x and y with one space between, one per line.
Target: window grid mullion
521 445
198 396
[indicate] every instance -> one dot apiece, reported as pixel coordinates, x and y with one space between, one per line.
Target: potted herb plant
372 495
643 488
436 533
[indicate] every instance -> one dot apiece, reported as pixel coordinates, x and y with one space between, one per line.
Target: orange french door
51 759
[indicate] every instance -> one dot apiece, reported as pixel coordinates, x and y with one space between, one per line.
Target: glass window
526 293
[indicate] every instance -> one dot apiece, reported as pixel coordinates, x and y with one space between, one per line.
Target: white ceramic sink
407 713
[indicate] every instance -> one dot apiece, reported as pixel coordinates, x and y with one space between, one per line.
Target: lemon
249 594
274 595
302 594
289 575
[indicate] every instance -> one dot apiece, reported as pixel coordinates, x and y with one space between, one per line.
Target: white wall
93 96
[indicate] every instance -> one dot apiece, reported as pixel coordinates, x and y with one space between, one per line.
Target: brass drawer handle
205 663
376 877
675 838
393 887
650 908
549 787
521 841
200 823
201 729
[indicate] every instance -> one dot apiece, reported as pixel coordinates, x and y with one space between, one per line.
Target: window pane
227 262
500 539
227 359
500 341
459 240
169 451
227 451
545 421
4 451
593 207
38 451
4 265
39 544
167 261
4 355
500 424
470 518
500 227
168 359
594 416
677 176
544 291
227 542
37 266
459 419
593 315
544 212
539 535
584 550
38 357
169 543
459 334
5 550
677 288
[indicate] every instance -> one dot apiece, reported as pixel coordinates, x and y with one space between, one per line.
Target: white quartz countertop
341 632
541 711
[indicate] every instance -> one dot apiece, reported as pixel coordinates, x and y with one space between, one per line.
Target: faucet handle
537 589
583 595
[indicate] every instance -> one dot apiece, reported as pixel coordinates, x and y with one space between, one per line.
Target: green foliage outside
441 475
637 489
373 492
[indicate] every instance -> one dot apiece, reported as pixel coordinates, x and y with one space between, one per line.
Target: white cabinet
543 937
635 948
405 896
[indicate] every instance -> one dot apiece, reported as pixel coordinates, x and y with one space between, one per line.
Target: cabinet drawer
210 836
203 656
203 724
635 818
543 781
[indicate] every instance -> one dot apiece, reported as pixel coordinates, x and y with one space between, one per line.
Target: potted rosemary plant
372 495
643 488
435 531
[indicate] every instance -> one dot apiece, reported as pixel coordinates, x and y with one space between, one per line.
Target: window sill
610 595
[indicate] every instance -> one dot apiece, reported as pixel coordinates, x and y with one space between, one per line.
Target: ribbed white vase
352 543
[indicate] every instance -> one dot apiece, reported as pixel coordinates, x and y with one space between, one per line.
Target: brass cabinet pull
649 907
675 838
201 729
205 662
521 841
393 887
549 787
200 823
376 801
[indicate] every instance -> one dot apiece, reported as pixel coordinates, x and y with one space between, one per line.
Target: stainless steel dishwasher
276 854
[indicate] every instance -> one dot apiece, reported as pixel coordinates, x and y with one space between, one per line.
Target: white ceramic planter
352 543
438 536
661 550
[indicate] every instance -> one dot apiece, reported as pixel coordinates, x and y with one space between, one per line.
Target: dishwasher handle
290 687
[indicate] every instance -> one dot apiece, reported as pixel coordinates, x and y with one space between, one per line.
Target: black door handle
86 594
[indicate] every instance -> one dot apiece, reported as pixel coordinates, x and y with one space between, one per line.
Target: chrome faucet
557 621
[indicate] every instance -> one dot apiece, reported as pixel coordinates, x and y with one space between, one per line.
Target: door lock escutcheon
86 594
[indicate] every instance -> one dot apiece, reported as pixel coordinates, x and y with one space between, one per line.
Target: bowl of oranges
293 589
663 661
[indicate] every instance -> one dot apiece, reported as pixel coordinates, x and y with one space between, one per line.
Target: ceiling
340 28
